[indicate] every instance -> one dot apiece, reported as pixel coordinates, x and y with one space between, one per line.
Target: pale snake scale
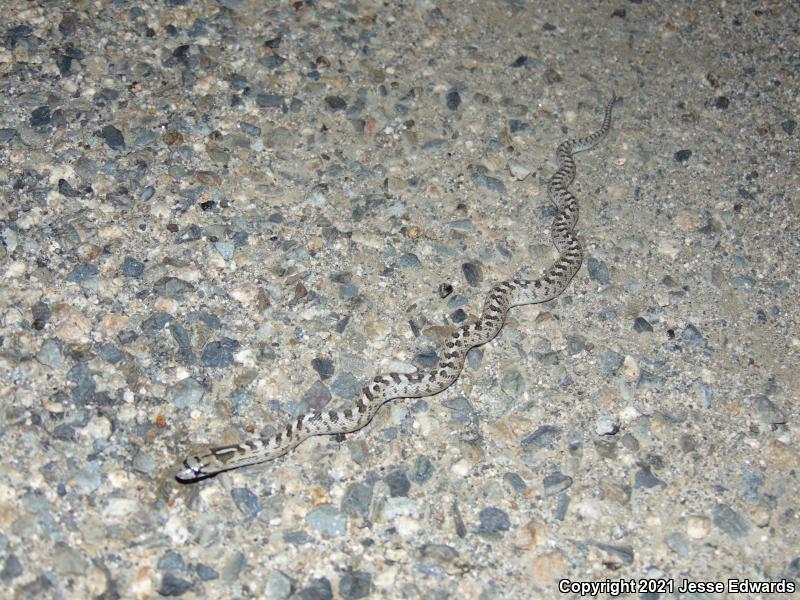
389 386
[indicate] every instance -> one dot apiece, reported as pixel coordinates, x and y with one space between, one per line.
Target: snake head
193 470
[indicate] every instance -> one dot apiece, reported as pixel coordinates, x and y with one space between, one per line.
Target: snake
211 460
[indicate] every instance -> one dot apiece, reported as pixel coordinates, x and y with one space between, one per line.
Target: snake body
389 386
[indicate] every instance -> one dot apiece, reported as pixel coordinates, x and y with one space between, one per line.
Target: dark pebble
219 353
398 484
458 316
552 76
610 362
40 117
623 553
788 127
642 325
172 585
315 397
682 156
453 99
768 411
445 289
172 287
722 102
205 573
65 432
520 61
132 267
113 137
458 521
319 589
65 189
515 126
426 360
298 537
355 584
335 102
323 367
493 520
409 261
619 13
246 501
41 314
422 471
543 437
472 273
82 272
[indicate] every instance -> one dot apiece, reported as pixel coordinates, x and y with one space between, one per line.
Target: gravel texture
218 215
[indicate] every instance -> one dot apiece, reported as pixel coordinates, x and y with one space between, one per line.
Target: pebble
453 99
422 471
187 393
555 483
355 584
606 425
172 585
318 589
278 585
398 483
494 520
730 522
246 501
543 437
518 171
327 520
356 500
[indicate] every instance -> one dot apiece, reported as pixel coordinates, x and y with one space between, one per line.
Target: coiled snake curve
381 389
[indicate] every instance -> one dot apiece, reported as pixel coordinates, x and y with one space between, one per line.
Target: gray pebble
768 411
555 483
562 506
440 553
543 437
729 521
40 312
472 273
692 337
682 156
355 584
278 585
356 500
409 261
132 267
270 100
575 344
246 501
515 481
610 362
327 520
172 287
205 573
156 322
315 397
598 270
225 249
40 117
50 354
171 561
81 376
645 479
144 462
110 353
346 385
82 272
187 392
743 282
607 425
6 134
678 544
422 471
513 383
12 568
494 520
